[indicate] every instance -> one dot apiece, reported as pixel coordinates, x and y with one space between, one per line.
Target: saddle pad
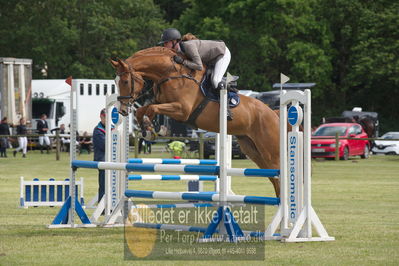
207 90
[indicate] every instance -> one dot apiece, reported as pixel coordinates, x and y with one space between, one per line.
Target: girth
197 111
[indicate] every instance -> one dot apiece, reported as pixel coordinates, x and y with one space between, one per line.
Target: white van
52 97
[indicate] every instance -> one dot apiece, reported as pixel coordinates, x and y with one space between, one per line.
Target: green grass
357 201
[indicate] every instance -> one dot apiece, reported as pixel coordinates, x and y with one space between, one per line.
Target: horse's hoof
157 128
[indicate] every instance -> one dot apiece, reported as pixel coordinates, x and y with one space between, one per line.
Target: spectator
62 129
22 139
177 148
42 128
4 130
85 142
99 150
63 140
67 141
149 132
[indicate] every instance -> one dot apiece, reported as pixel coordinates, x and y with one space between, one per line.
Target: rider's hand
178 59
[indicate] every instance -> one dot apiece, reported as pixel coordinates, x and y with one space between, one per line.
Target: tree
374 80
70 37
172 8
266 38
365 44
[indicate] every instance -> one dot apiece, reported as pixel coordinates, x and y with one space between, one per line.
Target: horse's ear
115 64
121 63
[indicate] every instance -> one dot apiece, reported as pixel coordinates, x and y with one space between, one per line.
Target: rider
198 52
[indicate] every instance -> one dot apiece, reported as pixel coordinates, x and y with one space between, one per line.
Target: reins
176 77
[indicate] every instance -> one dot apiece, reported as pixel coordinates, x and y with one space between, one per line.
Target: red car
323 141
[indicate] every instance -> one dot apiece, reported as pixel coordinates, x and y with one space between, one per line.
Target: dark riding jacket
41 125
99 142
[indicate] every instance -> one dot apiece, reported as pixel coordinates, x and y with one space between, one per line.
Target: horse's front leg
174 110
140 112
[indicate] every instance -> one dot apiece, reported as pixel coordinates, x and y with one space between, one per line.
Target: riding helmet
169 35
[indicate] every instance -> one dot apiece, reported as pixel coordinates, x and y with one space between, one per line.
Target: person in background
85 142
62 129
42 128
22 139
99 150
149 130
63 143
4 130
67 141
177 148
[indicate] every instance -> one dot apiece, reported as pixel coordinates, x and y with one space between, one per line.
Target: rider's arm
194 59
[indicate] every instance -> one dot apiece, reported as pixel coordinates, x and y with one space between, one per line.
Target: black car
209 146
272 98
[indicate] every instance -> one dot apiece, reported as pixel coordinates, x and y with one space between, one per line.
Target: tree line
349 48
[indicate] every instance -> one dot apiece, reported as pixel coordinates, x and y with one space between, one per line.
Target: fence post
201 145
57 147
136 144
336 147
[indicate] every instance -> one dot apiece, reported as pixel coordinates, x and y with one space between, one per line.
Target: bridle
129 97
134 77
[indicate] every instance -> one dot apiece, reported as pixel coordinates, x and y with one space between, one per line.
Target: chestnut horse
177 95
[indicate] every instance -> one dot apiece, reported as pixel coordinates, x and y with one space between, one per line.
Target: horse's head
130 85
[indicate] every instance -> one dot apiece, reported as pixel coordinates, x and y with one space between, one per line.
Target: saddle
212 94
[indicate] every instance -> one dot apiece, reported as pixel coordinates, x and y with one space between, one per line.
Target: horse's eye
125 82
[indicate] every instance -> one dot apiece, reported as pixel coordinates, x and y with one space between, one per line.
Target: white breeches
220 68
44 139
23 144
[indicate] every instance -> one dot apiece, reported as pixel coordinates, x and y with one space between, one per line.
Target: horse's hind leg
248 147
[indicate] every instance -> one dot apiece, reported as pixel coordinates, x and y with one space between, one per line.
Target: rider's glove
178 59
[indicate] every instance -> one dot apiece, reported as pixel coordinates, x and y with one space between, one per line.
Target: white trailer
52 97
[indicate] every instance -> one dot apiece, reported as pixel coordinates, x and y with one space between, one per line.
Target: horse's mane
157 50
156 55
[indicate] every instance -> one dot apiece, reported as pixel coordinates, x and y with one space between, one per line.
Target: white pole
108 158
223 139
228 161
283 162
72 149
11 92
22 192
307 164
217 158
22 108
